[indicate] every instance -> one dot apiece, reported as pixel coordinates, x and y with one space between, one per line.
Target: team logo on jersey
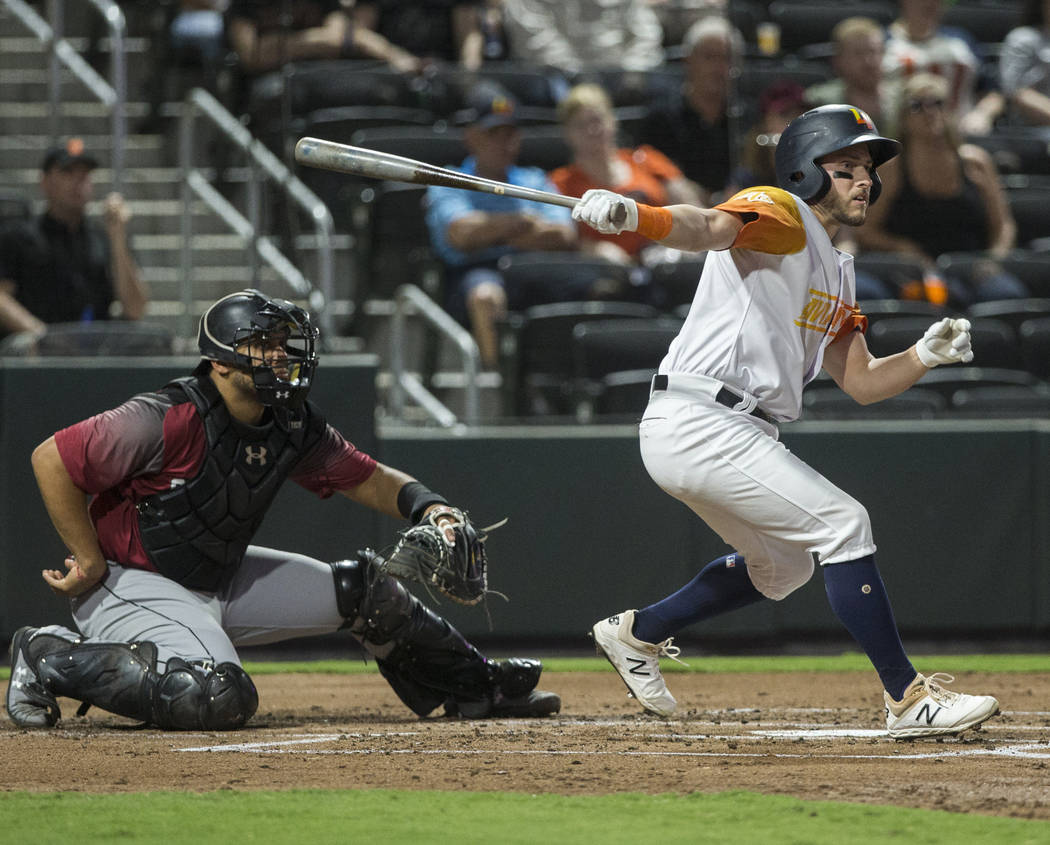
255 455
863 119
824 312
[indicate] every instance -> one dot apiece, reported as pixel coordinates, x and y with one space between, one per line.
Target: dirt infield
817 736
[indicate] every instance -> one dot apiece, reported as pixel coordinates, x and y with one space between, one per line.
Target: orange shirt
650 171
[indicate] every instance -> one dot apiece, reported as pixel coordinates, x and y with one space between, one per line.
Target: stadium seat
1002 401
605 346
1032 268
1017 149
947 380
102 338
396 243
986 21
530 85
806 23
544 356
544 147
829 402
437 144
674 282
622 396
889 309
1012 311
14 207
1029 204
1034 337
893 269
340 123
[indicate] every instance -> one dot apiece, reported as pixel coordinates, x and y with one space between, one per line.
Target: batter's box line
1026 750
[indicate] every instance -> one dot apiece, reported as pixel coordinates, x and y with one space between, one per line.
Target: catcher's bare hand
444 518
79 577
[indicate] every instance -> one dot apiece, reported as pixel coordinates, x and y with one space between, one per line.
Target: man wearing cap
471 231
62 267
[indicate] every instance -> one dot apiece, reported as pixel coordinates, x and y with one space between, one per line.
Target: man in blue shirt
471 231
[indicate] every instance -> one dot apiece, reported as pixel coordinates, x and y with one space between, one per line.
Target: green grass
848 662
386 816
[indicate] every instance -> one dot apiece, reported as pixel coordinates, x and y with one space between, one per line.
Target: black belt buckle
659 382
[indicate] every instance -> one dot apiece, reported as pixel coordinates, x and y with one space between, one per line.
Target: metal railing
410 297
261 162
113 94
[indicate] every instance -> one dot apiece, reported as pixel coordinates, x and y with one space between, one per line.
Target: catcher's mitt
423 554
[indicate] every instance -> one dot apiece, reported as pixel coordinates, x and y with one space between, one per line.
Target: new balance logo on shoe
637 666
925 709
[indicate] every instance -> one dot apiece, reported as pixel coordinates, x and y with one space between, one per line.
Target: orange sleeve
771 221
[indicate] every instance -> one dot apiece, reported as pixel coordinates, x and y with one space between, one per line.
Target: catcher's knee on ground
123 679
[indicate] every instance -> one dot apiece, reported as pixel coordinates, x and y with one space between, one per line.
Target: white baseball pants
732 471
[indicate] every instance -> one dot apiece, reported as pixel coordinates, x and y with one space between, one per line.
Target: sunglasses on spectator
916 106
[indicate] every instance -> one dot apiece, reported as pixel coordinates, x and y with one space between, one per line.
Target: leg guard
428 662
123 679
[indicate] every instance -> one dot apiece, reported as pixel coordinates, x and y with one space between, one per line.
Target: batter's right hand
602 210
946 342
78 579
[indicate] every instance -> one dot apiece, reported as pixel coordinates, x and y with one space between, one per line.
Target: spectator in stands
1024 65
435 30
643 173
918 43
941 196
471 231
585 34
692 126
857 65
62 266
267 34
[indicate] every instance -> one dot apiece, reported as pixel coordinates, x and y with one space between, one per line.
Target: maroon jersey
149 445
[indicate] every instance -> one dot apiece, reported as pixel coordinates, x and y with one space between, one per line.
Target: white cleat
637 663
928 709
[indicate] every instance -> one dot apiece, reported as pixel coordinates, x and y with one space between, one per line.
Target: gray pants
273 596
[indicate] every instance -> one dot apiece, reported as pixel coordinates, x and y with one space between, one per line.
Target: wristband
414 498
654 222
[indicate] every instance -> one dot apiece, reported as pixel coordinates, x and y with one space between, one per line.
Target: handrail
113 95
408 296
194 183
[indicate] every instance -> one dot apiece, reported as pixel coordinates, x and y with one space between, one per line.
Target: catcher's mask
824 130
272 339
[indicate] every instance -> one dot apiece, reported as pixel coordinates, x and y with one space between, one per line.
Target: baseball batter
163 580
775 303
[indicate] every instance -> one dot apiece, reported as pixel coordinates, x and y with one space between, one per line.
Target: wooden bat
343 158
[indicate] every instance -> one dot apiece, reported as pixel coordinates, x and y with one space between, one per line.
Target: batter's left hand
946 342
79 578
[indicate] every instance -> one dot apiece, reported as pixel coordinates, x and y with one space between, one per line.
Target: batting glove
946 342
604 211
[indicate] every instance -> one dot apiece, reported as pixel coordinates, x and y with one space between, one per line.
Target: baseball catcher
165 583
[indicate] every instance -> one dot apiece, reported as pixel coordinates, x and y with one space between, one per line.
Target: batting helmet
824 130
247 317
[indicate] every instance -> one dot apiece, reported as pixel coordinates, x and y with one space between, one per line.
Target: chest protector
196 533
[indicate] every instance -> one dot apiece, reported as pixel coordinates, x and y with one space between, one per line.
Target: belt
725 396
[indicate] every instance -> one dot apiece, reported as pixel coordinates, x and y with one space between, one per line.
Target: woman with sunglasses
940 196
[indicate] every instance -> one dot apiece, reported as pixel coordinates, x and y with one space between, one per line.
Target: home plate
823 733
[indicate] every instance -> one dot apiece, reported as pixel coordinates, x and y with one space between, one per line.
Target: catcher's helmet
248 316
824 130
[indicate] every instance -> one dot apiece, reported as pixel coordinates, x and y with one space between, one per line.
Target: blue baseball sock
858 598
721 586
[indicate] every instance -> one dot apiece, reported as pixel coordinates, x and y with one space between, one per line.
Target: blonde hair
852 27
587 95
713 26
915 87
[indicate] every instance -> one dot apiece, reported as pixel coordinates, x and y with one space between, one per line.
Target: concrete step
25 150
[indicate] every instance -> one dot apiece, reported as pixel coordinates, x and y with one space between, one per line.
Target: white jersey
766 308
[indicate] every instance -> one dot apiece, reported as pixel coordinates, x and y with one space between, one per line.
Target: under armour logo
253 455
282 394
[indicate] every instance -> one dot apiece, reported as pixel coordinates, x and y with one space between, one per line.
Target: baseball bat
360 161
